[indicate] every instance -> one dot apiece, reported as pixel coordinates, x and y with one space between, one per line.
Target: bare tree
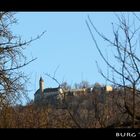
65 103
65 86
12 59
125 42
82 84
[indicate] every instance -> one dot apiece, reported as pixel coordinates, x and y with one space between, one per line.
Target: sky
66 47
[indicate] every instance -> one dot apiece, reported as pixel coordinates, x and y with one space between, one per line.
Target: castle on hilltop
55 96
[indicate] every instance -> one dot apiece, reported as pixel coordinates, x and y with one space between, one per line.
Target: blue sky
67 44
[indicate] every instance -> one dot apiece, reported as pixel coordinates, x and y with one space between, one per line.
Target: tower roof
41 79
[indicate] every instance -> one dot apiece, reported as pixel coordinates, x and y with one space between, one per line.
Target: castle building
56 96
46 95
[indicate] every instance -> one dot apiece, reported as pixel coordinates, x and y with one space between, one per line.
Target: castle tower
41 86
